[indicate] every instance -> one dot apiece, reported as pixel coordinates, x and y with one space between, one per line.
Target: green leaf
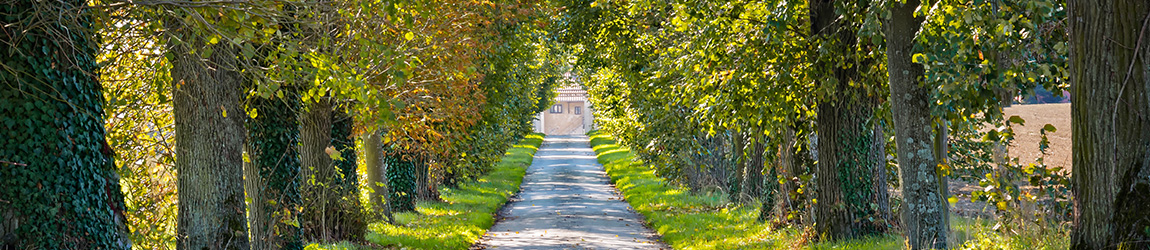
1017 119
1049 128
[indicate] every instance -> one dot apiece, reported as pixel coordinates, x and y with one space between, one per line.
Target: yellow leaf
225 111
952 199
409 36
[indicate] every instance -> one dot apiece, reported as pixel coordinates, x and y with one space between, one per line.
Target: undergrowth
708 221
462 217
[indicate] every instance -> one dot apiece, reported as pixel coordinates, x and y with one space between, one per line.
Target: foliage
465 212
677 216
272 147
59 187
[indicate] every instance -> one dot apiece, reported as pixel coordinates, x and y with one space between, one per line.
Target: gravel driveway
566 202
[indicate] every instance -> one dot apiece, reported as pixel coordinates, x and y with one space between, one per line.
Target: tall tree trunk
422 169
59 188
734 185
788 170
844 187
1111 144
345 211
922 216
941 149
753 175
272 176
881 196
376 175
209 143
400 180
317 170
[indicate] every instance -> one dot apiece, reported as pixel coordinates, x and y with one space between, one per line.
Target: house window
557 108
577 110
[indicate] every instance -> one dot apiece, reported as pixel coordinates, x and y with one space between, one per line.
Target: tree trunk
753 175
422 169
346 211
881 194
317 170
209 143
788 171
843 177
59 188
376 177
400 180
941 149
734 185
272 176
922 216
1111 144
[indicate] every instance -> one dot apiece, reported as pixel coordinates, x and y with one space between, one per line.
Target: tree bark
843 176
922 216
209 143
59 188
376 177
345 209
753 175
789 170
881 194
1111 144
738 150
272 175
317 170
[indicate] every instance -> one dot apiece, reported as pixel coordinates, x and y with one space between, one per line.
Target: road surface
566 202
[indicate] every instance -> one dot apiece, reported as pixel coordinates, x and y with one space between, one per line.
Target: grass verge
709 221
465 213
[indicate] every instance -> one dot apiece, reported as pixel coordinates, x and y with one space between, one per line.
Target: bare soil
1025 147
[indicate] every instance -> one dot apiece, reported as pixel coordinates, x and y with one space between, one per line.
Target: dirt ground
1026 138
1025 147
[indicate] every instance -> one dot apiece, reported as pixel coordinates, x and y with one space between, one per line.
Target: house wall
565 122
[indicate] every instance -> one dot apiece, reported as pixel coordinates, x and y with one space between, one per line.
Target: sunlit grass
709 221
465 213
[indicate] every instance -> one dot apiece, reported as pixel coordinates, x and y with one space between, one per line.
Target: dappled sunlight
465 212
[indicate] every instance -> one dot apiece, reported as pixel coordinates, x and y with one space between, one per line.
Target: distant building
571 114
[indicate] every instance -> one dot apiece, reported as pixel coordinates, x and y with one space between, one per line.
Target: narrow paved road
566 203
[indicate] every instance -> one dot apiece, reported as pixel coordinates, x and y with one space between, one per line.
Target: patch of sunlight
465 213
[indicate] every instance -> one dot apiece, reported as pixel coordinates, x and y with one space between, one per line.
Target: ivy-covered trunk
1108 66
922 216
58 183
272 175
400 181
209 141
346 221
844 194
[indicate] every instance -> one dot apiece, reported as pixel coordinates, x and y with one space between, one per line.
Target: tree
206 87
272 176
1111 132
376 175
59 188
922 215
845 126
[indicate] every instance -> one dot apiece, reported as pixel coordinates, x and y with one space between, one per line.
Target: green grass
465 213
709 221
